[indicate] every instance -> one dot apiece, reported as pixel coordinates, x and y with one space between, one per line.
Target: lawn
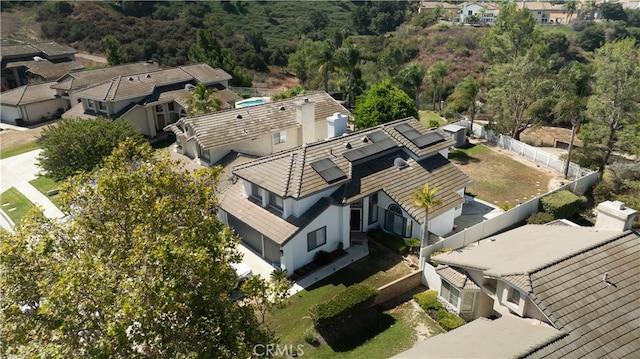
378 268
12 198
497 178
18 149
44 185
427 116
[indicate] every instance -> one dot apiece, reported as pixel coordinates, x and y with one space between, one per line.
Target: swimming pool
253 101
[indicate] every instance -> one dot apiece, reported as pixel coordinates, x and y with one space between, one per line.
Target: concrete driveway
258 265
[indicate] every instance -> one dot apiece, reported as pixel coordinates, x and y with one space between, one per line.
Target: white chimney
306 116
615 216
336 125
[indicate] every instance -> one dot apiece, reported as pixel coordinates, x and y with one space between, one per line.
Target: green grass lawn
18 149
377 269
427 116
12 198
567 30
45 184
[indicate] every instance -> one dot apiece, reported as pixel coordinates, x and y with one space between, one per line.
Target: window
91 103
539 12
373 208
170 106
255 191
279 137
275 201
470 13
102 106
449 293
514 296
467 301
396 223
159 109
316 238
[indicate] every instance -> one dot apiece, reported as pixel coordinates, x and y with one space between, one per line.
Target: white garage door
9 114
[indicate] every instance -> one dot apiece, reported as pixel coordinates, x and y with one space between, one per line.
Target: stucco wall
34 112
9 114
336 219
398 286
138 118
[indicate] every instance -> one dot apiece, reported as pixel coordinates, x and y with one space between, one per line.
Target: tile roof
27 94
223 127
504 254
506 337
47 69
79 79
131 86
266 220
539 5
53 49
456 277
20 50
77 111
601 317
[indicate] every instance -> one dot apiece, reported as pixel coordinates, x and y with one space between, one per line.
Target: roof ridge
291 164
24 91
304 161
111 86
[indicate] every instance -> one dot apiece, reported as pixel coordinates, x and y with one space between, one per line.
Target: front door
356 220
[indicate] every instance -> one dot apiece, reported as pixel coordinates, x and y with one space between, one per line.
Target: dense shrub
428 300
449 321
561 204
322 257
540 218
340 307
389 240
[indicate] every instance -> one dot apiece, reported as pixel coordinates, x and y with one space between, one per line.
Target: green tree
141 268
202 100
265 296
383 103
521 93
300 60
612 110
324 60
436 73
572 92
425 198
465 96
208 50
410 79
513 34
114 51
347 61
74 145
571 6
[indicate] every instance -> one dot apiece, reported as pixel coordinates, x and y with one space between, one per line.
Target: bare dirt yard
10 137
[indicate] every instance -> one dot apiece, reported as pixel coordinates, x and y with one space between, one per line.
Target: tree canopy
202 100
139 269
74 145
208 50
383 103
513 34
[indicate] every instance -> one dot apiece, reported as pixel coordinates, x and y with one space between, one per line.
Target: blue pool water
250 102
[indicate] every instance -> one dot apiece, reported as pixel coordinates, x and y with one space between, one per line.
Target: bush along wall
389 240
428 301
333 312
562 204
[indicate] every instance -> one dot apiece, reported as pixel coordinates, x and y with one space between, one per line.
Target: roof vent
347 145
400 163
148 76
130 78
365 139
239 116
282 108
38 59
189 87
306 100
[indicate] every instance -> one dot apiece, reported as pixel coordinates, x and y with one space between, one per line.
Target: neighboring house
30 104
260 130
30 63
546 13
289 205
485 13
580 281
149 101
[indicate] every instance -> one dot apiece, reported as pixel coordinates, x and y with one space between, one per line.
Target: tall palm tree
325 61
425 197
410 78
202 100
571 6
348 59
437 72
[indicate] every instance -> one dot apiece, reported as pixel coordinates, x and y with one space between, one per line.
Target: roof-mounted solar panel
420 140
379 142
328 170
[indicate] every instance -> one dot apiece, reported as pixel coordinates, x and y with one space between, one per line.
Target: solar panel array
380 143
418 139
328 170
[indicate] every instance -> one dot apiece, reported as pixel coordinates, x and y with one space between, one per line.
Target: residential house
575 289
546 13
152 100
260 130
30 63
30 104
289 205
483 13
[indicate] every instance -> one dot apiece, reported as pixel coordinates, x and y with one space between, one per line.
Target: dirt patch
548 136
11 137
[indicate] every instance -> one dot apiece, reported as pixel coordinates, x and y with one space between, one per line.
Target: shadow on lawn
354 333
460 154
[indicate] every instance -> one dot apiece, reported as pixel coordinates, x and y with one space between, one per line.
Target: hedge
561 204
428 300
389 240
540 218
336 309
449 321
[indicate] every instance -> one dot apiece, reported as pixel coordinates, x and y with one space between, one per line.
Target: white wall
302 205
9 114
137 116
34 112
336 219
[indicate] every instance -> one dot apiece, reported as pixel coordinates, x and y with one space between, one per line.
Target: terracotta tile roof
27 94
131 86
506 337
456 277
290 174
600 314
223 127
79 79
267 221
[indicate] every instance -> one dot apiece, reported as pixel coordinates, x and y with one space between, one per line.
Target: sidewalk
16 172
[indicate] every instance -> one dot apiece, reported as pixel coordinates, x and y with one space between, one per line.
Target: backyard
397 330
499 179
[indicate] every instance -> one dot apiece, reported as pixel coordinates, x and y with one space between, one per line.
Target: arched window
394 208
395 222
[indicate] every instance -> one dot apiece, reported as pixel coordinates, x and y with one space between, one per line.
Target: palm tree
325 61
425 197
348 59
571 6
202 100
410 78
437 72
